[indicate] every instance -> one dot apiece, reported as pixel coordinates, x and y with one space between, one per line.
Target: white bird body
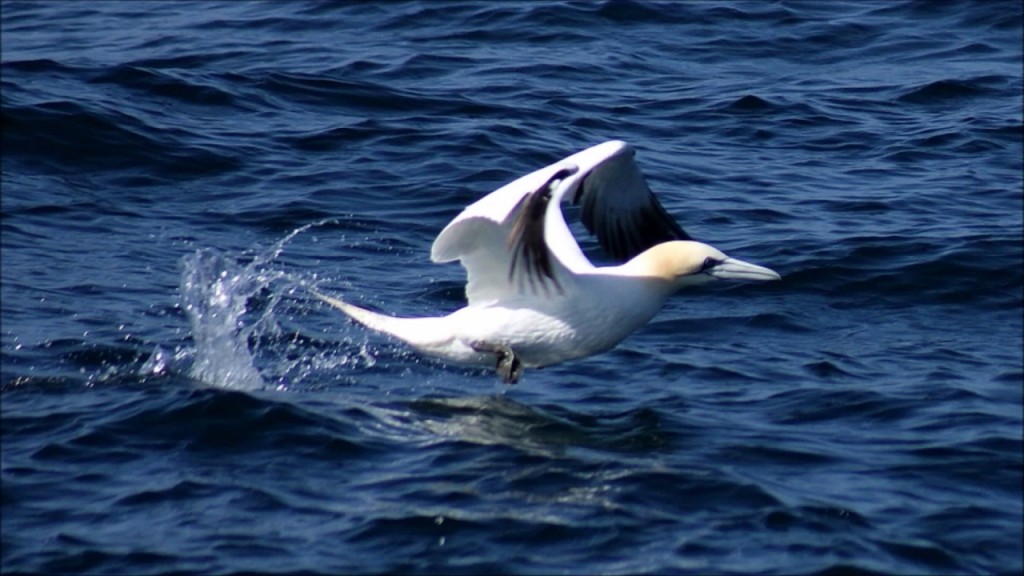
534 299
579 324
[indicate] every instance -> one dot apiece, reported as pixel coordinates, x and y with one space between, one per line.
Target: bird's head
688 263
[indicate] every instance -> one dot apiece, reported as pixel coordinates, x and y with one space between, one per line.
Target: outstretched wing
514 242
504 241
618 207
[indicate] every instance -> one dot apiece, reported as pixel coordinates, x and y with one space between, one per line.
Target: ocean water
177 175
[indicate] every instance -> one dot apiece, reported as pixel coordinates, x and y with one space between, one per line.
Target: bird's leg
507 363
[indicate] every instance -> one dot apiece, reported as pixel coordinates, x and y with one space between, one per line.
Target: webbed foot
507 364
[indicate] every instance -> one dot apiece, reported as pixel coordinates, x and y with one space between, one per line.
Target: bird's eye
709 263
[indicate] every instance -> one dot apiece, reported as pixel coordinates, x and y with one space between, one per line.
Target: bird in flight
534 299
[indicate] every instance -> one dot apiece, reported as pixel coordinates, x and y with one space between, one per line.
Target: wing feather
515 239
618 207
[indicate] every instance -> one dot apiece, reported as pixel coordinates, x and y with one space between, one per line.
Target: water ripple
175 180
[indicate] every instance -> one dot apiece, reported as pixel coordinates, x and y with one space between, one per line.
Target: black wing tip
531 257
624 234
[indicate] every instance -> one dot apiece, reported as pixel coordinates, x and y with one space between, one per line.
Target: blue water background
175 175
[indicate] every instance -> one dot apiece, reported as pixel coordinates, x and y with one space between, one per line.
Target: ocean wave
68 137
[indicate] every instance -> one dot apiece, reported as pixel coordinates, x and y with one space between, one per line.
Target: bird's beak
733 269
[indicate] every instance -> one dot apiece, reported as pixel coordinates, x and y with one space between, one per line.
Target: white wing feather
479 236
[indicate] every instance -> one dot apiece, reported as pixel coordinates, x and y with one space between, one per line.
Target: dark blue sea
176 176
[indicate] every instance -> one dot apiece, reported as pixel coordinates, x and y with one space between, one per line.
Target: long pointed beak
733 269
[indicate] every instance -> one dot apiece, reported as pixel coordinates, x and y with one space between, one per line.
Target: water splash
230 306
214 294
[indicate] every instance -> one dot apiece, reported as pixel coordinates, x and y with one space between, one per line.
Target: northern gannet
534 299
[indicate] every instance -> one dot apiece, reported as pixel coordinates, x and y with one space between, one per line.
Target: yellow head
688 263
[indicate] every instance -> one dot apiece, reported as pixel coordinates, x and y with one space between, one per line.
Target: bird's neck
655 264
637 281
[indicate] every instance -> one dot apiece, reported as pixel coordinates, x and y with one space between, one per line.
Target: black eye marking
708 264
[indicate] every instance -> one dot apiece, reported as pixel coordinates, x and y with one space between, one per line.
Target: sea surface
176 176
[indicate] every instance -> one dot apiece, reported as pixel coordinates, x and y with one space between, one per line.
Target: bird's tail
423 333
